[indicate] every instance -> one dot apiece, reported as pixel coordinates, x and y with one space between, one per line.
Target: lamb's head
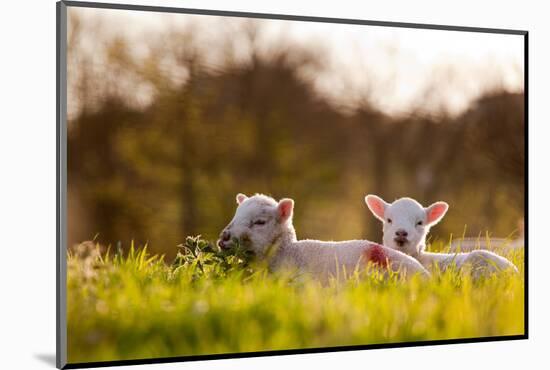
259 223
406 222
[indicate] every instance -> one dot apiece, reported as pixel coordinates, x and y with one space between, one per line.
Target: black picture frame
61 186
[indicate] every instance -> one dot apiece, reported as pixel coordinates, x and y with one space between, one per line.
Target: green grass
138 306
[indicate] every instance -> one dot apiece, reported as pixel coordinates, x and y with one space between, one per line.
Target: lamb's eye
259 222
419 223
389 220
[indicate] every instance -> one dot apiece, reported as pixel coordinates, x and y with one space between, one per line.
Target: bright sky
399 68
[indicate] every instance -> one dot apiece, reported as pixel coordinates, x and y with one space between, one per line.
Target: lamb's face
259 223
406 222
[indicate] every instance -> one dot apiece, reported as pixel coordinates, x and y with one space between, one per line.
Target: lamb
406 224
264 226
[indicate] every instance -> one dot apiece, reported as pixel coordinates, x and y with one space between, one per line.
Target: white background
27 181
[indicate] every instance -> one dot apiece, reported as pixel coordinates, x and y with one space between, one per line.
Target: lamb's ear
284 209
377 206
435 212
241 198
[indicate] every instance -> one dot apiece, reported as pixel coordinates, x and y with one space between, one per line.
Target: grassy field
135 306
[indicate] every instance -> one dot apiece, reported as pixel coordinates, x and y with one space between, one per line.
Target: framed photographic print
238 184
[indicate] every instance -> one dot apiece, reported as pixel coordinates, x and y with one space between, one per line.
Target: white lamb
264 226
406 224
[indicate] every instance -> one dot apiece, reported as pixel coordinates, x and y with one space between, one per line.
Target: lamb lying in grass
264 226
406 224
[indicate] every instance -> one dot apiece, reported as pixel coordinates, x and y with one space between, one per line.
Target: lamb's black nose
224 238
401 233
